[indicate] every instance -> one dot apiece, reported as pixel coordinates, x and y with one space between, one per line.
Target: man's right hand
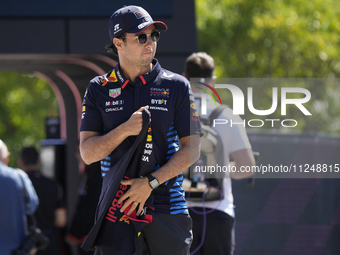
94 146
134 124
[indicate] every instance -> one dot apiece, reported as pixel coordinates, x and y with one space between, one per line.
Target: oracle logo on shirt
159 92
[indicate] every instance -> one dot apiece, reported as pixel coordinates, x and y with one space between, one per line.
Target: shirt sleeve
186 118
91 118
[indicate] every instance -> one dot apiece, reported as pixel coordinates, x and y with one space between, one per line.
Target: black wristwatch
153 182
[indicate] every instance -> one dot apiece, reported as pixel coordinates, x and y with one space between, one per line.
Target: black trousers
166 235
219 236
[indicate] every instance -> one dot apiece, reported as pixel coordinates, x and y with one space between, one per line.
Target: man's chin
146 61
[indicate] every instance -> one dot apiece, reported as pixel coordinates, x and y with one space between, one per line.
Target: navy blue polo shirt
111 99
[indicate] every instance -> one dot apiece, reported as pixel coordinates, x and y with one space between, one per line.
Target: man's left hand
138 193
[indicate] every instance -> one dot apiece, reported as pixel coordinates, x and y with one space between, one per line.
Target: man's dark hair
111 48
29 156
199 65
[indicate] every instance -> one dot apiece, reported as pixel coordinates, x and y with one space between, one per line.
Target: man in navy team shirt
112 116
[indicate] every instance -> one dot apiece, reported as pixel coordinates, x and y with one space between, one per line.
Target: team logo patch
115 92
112 78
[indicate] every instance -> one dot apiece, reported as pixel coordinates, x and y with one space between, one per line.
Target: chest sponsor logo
115 92
115 109
158 108
158 104
159 101
117 102
159 92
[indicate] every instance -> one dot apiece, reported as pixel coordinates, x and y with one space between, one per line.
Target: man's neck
131 72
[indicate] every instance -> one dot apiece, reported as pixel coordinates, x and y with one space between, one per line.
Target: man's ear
118 43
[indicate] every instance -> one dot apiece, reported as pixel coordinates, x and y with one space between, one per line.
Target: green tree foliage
25 103
277 39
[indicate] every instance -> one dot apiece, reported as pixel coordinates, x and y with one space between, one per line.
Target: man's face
139 54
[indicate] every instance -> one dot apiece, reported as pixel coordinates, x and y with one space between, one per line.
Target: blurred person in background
51 213
13 209
217 235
